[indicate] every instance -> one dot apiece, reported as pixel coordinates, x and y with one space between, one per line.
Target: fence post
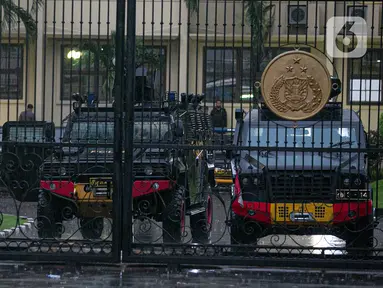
127 236
118 129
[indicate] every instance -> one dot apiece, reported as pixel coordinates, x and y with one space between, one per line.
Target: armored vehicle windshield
101 129
316 136
341 128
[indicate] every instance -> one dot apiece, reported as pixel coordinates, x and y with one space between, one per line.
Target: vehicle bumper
302 213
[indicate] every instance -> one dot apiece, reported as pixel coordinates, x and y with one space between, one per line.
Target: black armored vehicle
169 183
305 192
25 145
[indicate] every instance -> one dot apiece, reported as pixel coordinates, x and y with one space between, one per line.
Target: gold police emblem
295 85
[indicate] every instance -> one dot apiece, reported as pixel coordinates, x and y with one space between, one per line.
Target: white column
330 13
183 42
39 62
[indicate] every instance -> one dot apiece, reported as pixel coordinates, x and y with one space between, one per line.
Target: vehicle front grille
57 169
295 186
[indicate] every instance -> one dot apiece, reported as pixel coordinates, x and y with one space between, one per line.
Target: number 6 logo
349 33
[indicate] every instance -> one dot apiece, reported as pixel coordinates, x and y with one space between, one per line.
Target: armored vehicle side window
96 131
104 131
26 134
152 131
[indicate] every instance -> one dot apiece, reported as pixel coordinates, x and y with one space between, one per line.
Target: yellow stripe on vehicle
296 212
224 181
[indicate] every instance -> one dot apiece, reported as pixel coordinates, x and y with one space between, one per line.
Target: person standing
219 115
27 115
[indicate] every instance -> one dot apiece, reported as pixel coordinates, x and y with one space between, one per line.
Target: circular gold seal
295 85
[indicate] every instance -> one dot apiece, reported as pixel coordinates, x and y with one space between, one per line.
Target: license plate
223 173
102 187
101 182
352 194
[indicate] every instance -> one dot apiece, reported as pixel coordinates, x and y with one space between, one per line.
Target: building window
228 72
153 66
84 72
11 72
221 69
365 78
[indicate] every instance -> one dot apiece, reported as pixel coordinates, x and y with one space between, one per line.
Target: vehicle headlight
245 181
156 186
148 170
357 182
346 182
61 171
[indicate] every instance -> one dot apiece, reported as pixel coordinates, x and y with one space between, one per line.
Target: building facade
205 51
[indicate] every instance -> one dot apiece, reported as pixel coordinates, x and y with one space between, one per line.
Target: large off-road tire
360 236
91 228
201 224
49 217
173 219
243 232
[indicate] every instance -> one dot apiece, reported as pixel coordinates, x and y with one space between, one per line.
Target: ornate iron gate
126 150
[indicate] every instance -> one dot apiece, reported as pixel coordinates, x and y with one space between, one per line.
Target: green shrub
375 140
381 127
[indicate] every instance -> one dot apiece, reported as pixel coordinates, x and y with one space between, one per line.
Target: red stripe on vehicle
341 211
141 188
63 188
261 209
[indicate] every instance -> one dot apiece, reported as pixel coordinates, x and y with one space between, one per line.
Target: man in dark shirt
27 115
218 115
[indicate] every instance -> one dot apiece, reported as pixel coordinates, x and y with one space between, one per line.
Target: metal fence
192 132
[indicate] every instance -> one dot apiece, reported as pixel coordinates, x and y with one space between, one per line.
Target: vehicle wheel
49 218
243 232
201 223
91 228
361 236
173 221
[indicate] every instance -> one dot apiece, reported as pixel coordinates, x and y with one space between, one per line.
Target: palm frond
105 54
12 14
36 5
192 5
260 16
146 56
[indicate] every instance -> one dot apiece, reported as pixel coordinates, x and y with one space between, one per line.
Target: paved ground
21 275
151 232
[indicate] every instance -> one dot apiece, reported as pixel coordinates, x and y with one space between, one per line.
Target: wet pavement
23 275
150 231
